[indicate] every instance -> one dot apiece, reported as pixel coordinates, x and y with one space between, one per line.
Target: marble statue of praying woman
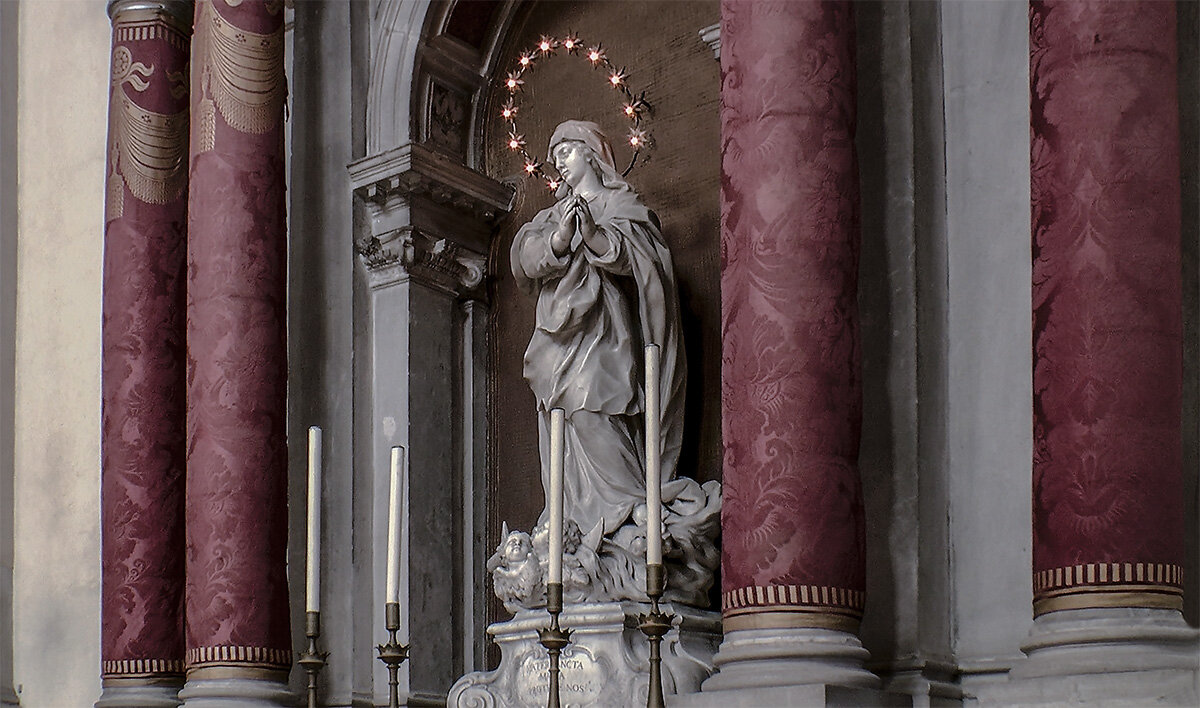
605 287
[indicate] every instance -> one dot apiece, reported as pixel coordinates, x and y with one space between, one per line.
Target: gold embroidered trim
768 596
253 656
241 75
1085 598
1086 574
773 619
140 667
147 150
145 25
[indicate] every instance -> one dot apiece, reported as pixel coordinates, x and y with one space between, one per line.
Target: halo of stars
633 107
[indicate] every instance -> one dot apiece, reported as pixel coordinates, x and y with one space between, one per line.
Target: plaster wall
8 331
61 119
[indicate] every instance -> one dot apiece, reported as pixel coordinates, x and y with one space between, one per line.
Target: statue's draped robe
595 313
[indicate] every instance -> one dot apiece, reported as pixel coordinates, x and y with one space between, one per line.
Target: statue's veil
588 133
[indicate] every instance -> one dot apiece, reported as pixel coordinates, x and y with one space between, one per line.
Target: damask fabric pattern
792 395
143 365
237 601
1107 485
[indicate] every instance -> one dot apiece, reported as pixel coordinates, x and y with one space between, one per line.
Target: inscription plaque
582 679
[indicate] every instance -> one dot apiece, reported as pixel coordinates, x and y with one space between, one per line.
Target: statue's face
517 546
571 161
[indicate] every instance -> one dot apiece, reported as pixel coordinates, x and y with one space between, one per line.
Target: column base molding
223 687
789 656
808 696
1105 656
140 693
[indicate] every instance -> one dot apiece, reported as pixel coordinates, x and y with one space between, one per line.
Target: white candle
312 577
395 496
653 469
557 429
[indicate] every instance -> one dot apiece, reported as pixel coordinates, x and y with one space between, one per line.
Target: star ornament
633 106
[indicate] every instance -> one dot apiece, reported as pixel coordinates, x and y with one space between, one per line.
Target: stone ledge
789 696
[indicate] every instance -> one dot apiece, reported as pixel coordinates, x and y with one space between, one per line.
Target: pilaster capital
429 215
181 11
436 262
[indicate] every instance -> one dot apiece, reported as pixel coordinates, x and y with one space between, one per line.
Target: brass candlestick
553 638
655 626
312 659
393 653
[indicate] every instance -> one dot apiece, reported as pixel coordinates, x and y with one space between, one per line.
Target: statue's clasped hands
576 219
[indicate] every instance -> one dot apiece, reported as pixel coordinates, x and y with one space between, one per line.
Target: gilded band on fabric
840 600
140 667
241 76
1167 575
777 619
262 656
147 149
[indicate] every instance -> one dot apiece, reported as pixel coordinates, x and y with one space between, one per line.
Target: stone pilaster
423 255
143 361
238 636
792 523
1107 352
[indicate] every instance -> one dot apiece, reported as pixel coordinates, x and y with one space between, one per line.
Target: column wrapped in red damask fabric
143 359
792 521
237 598
1107 333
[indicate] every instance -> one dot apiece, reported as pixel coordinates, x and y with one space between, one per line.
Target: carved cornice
414 169
430 217
435 262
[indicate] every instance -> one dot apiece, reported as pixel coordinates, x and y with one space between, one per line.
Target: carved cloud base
606 663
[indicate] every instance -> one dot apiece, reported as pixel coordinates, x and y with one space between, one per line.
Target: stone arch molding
406 50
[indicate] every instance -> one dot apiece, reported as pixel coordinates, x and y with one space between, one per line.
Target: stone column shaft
792 397
143 365
792 519
237 594
1107 328
1107 361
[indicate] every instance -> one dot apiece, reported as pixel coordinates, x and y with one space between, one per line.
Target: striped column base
238 656
140 668
792 606
1087 585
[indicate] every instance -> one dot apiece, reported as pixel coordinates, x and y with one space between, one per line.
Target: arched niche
439 329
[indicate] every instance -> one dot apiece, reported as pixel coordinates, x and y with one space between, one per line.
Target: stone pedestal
226 688
140 693
1117 656
781 696
606 663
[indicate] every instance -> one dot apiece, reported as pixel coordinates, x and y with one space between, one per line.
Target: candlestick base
555 639
393 654
311 659
655 625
